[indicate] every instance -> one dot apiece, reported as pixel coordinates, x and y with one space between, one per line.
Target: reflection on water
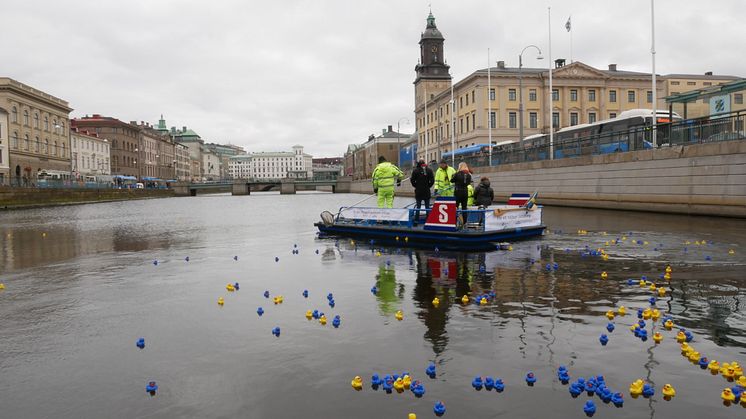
82 287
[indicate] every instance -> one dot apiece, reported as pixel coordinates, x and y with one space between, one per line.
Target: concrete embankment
700 179
18 198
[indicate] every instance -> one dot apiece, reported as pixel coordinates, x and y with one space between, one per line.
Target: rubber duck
680 337
604 275
694 356
309 314
653 287
648 391
605 256
708 257
151 388
411 415
728 396
668 391
322 320
575 389
686 349
610 327
603 339
276 331
643 335
622 311
140 343
266 294
731 252
483 301
399 315
661 292
714 366
742 381
277 259
590 386
374 290
728 372
465 299
617 399
652 301
388 385
477 383
657 337
357 383
186 259
399 385
489 383
305 293
668 324
439 409
499 385
260 311
436 302
631 281
331 303
647 314
610 315
2 286
530 378
668 269
635 389
375 381
430 370
221 301
564 377
155 262
643 283
406 380
336 322
589 408
315 314
230 288
703 362
655 315
641 323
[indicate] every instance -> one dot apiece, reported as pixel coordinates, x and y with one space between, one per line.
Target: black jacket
461 182
483 194
422 180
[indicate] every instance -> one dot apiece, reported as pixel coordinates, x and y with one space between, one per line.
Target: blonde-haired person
461 181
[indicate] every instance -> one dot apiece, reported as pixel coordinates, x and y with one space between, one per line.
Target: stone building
183 162
157 151
273 165
194 143
90 154
4 155
239 167
37 132
124 140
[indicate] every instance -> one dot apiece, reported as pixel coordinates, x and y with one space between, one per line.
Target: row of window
57 127
89 145
37 146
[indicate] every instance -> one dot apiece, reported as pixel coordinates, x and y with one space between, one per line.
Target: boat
439 227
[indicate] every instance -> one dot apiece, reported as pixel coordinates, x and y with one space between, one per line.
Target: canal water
84 283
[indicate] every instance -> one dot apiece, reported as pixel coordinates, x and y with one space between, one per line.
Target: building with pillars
35 136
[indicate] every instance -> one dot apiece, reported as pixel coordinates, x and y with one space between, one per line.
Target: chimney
501 65
391 128
709 73
559 62
133 122
183 128
383 131
612 67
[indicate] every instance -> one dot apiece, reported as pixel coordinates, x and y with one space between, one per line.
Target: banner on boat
512 219
376 214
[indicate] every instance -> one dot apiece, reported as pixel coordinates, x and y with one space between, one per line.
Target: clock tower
433 74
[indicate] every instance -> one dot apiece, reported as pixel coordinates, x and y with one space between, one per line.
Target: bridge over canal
245 187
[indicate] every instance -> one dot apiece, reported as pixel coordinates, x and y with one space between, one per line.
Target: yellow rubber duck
605 256
714 366
743 399
357 383
378 254
483 301
309 314
230 287
667 276
694 356
399 315
399 385
737 368
724 367
606 243
655 315
643 283
685 349
624 238
661 292
653 287
645 243
696 243
604 275
2 286
436 301
407 381
647 314
657 337
397 238
635 389
729 373
220 301
668 390
728 396
634 327
352 242
622 310
322 320
732 252
411 416
465 299
668 324
406 239
610 315
680 337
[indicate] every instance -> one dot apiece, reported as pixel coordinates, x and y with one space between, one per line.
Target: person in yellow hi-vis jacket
470 196
443 177
384 177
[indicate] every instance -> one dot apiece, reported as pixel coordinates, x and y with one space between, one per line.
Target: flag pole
453 127
425 119
489 105
569 29
551 92
655 90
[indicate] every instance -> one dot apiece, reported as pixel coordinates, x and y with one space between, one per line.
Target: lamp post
398 139
520 89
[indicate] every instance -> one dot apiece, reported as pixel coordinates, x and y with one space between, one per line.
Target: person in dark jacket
483 194
422 180
461 181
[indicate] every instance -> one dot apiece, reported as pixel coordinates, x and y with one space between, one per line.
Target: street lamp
520 89
398 140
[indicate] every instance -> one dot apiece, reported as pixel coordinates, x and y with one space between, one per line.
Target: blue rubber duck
610 327
186 258
564 377
575 389
549 267
617 399
155 262
375 381
703 362
316 314
330 296
652 301
236 286
418 390
276 331
689 336
388 385
266 294
317 251
260 311
642 323
235 257
589 408
639 313
331 303
305 293
477 383
648 391
374 290
555 266
489 383
439 409
606 395
499 385
590 386
631 281
336 322
430 370
151 388
277 259
603 339
643 335
530 378
140 343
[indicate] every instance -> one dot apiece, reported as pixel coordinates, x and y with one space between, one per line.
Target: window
533 121
555 119
45 146
62 149
591 117
492 94
591 95
691 83
25 118
612 96
631 96
467 123
472 96
555 95
738 98
461 102
675 83
573 118
532 95
511 94
650 96
14 115
493 120
46 123
467 99
612 115
511 120
54 149
36 120
461 123
707 83
573 95
25 142
14 140
36 145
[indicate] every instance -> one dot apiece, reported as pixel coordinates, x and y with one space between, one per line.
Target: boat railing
475 219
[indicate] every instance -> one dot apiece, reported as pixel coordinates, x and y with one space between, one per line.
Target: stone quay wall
18 198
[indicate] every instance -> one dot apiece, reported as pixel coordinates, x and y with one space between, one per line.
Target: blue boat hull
414 237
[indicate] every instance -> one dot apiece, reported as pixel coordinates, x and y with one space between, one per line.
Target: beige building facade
90 154
38 135
123 139
682 83
4 154
183 162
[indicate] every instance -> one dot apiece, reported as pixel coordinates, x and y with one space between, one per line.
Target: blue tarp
124 177
152 179
466 150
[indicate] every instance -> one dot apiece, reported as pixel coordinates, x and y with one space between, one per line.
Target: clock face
434 49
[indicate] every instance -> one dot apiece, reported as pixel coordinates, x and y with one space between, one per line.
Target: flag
568 25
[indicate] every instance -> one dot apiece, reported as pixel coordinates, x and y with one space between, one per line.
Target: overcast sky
325 73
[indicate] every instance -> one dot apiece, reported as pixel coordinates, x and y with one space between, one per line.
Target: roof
720 89
700 76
